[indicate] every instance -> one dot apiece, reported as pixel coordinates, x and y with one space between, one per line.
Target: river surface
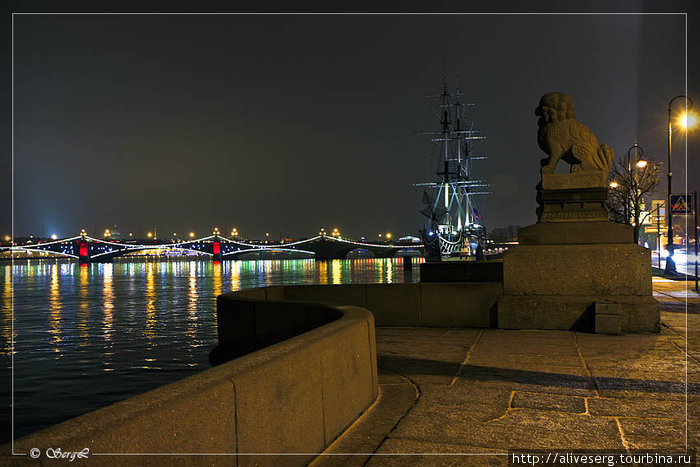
90 335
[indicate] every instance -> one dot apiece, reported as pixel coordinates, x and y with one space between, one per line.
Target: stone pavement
480 393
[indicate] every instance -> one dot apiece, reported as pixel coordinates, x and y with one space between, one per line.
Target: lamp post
670 264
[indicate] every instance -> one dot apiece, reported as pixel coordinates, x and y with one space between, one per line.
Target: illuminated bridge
88 249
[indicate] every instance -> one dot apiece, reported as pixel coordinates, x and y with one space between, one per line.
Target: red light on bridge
216 247
83 249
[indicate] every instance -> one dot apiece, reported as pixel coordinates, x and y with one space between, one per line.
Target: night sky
288 123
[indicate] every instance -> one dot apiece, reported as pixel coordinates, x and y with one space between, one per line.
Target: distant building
504 234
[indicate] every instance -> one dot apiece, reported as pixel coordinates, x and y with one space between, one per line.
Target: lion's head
554 107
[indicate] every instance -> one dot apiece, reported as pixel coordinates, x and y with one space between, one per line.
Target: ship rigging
453 226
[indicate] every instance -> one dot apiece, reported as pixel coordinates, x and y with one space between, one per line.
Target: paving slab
653 433
440 454
545 379
553 402
638 407
466 396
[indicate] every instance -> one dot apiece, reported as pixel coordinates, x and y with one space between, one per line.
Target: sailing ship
453 224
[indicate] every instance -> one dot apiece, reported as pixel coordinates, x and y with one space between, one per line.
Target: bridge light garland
100 247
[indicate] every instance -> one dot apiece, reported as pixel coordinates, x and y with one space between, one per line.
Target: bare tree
631 180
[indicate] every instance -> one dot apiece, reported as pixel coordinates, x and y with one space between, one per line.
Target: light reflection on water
55 312
90 335
7 317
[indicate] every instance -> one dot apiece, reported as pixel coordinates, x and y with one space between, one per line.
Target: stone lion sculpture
562 137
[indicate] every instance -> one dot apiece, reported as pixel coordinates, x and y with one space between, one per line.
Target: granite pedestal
573 271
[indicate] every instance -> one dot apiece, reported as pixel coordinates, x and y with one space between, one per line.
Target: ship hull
440 246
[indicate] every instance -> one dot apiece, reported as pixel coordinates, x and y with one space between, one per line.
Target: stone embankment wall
294 396
458 304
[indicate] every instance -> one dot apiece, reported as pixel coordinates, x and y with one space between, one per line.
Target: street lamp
686 122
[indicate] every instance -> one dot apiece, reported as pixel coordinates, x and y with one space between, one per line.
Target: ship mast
446 146
451 212
458 131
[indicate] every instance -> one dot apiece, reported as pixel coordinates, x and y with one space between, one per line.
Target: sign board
681 204
658 212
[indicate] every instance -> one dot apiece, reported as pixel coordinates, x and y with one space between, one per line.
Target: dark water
90 335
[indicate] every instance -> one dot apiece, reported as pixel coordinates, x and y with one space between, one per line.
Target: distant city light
191 234
7 238
388 235
54 237
149 234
